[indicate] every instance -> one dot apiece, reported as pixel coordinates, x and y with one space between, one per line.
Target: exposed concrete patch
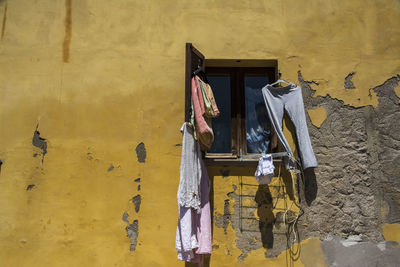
138 188
39 142
358 151
317 116
137 180
68 30
30 187
223 220
141 152
360 254
137 200
132 230
110 168
348 84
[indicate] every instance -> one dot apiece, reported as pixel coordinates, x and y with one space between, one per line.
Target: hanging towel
212 100
204 133
209 112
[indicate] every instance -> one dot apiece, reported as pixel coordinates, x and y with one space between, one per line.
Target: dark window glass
257 121
221 86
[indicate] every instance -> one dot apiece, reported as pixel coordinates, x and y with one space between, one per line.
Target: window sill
244 161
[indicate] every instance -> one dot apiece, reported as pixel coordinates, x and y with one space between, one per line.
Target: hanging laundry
193 234
204 132
212 99
265 169
289 99
190 171
209 112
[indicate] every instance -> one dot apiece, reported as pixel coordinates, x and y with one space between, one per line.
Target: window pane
257 121
221 86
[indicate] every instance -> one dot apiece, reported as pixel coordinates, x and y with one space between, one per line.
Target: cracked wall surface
92 100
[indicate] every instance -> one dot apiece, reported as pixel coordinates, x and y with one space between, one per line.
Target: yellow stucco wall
99 77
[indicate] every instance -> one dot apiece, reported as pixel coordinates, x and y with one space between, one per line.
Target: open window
242 131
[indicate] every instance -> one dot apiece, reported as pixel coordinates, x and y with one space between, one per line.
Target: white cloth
186 239
265 170
190 171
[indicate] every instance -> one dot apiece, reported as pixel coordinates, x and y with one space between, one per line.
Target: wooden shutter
194 59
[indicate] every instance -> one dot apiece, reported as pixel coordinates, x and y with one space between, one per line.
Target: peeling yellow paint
391 232
124 85
317 116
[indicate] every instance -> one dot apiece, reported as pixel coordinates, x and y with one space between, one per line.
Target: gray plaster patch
137 200
141 152
360 253
39 142
348 84
358 152
125 217
110 168
223 220
30 187
132 230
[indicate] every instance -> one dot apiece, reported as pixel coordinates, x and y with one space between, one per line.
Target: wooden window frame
236 69
238 107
